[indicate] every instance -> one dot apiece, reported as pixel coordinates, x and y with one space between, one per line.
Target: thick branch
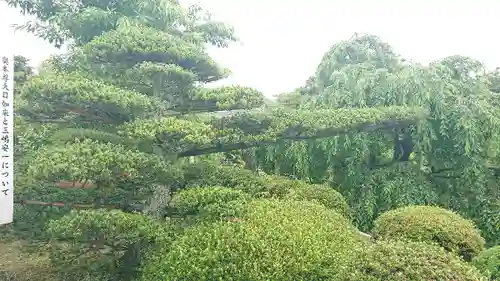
329 132
203 135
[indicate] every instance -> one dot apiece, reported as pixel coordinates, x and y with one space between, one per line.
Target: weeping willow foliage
455 149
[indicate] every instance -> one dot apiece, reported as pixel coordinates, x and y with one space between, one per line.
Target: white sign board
6 137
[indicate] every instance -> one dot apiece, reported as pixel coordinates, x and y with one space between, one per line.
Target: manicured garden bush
209 174
209 202
488 262
274 240
103 244
262 186
324 195
433 225
206 173
398 261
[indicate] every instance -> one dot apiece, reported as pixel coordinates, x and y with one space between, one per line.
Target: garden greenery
129 166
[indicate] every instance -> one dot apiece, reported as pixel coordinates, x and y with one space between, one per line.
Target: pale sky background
283 41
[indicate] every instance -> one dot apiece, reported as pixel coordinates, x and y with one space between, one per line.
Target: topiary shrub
275 187
274 240
488 262
324 195
209 202
103 243
397 260
433 225
204 174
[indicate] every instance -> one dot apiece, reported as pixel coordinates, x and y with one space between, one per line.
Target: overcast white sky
283 41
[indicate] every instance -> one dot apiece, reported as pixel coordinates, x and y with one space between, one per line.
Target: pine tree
108 125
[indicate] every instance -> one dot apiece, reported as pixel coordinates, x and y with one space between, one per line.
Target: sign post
6 137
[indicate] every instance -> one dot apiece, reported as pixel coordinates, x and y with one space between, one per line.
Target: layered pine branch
120 108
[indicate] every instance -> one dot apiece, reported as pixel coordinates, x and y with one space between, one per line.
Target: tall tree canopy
449 159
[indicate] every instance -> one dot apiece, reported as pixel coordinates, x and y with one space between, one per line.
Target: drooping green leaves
361 49
453 150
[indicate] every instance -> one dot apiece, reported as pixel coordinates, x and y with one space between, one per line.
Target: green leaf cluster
206 174
278 240
103 243
217 203
488 262
432 225
131 119
452 153
396 260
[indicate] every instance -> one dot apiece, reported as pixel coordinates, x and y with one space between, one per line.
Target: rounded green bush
416 261
276 187
104 236
259 186
213 174
214 202
488 262
274 240
432 225
324 195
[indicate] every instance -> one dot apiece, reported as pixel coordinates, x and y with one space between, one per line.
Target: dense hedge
209 202
488 262
433 225
103 243
415 261
324 195
262 186
210 174
274 240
